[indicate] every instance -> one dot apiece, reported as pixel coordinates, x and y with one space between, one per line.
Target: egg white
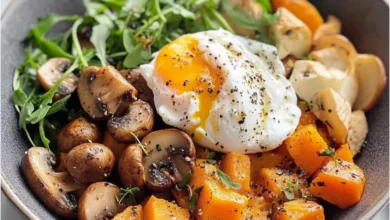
255 109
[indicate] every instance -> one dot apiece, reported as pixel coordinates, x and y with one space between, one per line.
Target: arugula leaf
135 5
100 34
138 55
76 42
240 18
45 24
265 5
44 139
227 181
19 97
186 181
193 202
58 106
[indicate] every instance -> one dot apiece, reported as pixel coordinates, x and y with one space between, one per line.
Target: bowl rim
380 204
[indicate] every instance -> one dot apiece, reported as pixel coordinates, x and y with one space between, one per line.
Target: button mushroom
99 202
90 162
52 188
138 121
330 27
79 131
310 77
171 155
358 129
372 80
102 90
131 168
51 71
134 77
293 37
116 147
330 108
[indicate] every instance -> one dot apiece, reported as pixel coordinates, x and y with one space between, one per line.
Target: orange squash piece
218 202
257 208
303 10
342 153
202 173
263 160
130 213
273 181
282 149
340 183
307 116
304 145
157 209
299 210
238 168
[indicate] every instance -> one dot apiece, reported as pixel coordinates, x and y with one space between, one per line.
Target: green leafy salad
121 33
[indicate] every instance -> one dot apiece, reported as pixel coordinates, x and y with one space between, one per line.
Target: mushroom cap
139 120
310 77
357 133
79 131
52 70
99 202
293 37
171 155
102 90
134 77
372 79
90 162
330 108
130 167
335 57
51 188
330 27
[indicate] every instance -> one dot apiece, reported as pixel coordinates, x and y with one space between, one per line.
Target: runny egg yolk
182 67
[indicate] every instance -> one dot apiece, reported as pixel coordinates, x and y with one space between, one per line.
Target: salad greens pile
122 33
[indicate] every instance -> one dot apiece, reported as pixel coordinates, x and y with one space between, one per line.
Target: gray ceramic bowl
365 22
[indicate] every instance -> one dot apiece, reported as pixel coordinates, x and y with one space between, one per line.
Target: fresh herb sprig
192 194
127 192
227 181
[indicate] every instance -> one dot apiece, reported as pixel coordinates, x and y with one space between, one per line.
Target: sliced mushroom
131 168
310 77
79 131
52 188
288 63
250 8
335 57
332 110
99 202
84 36
330 27
171 155
372 79
293 37
138 121
116 147
357 133
51 71
90 162
102 90
338 41
135 78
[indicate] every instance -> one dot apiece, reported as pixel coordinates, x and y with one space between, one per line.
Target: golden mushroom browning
52 188
51 71
102 91
79 131
130 167
138 120
90 162
134 77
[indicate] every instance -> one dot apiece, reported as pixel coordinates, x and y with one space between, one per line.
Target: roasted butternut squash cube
263 160
344 153
203 172
157 209
257 208
304 146
238 168
299 210
130 213
218 202
323 131
340 183
275 182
